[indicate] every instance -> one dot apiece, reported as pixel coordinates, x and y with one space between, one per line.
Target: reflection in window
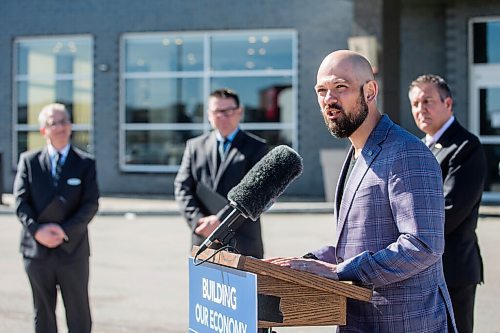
265 99
489 109
276 137
163 100
486 42
166 79
56 69
163 53
253 51
156 147
49 56
492 152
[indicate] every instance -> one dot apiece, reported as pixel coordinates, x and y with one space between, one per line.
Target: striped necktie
58 169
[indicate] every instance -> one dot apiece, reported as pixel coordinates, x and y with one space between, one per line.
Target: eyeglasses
62 122
224 112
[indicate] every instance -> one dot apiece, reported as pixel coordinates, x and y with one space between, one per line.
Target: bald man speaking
389 210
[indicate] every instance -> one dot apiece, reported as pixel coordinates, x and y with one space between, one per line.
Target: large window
484 58
167 77
48 70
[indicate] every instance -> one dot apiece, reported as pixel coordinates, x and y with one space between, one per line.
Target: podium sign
221 299
286 297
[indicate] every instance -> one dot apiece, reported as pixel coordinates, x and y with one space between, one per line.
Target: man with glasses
213 164
56 197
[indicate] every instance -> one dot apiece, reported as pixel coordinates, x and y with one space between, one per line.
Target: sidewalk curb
144 206
277 209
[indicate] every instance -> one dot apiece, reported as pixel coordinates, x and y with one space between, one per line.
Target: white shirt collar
433 139
64 152
230 137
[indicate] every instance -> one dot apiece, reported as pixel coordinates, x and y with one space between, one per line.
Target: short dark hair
226 93
438 81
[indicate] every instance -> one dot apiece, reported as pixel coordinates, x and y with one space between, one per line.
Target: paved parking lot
139 271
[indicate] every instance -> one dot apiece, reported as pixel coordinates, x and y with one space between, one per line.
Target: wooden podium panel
299 304
305 299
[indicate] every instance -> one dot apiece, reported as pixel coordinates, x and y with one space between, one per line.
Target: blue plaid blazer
390 234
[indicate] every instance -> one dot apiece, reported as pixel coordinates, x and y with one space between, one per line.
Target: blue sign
221 299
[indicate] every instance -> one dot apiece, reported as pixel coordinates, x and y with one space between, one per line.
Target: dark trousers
462 299
72 278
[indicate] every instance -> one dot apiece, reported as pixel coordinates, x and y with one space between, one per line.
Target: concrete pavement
139 259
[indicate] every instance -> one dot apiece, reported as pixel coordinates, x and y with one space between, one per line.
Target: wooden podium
300 298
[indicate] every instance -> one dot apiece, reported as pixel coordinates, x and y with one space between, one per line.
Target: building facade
136 75
459 40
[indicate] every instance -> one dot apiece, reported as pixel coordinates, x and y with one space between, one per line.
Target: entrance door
485 95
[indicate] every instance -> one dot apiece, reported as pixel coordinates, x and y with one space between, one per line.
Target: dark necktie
58 169
223 147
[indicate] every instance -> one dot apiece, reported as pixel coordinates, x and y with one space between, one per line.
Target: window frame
17 78
206 74
480 76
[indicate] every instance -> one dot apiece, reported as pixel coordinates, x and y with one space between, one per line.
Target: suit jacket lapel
46 167
68 163
211 151
369 153
351 187
340 184
443 141
44 160
227 161
233 150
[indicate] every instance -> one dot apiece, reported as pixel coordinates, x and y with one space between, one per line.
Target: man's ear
42 131
370 90
448 102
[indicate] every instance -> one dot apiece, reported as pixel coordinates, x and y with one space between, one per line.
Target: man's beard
344 126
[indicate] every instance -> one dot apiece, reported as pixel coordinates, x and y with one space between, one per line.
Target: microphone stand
231 219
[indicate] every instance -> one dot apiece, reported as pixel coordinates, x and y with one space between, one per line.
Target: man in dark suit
218 161
463 167
56 197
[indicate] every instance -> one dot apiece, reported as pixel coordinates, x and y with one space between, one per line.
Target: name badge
74 181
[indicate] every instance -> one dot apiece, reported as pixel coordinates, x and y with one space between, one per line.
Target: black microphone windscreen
266 181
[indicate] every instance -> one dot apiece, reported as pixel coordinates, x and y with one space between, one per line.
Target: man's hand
50 235
206 225
308 265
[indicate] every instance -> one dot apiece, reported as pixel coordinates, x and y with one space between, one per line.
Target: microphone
256 192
